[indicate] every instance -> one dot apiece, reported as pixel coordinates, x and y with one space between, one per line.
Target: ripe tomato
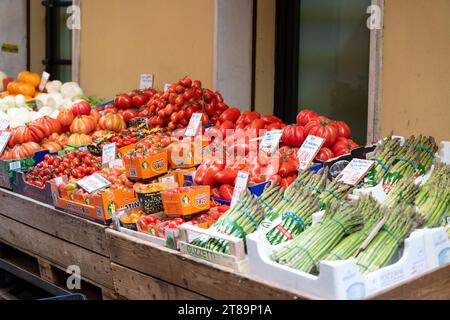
231 114
325 154
129 114
226 176
293 136
82 108
305 116
343 129
344 146
139 100
123 101
226 192
324 128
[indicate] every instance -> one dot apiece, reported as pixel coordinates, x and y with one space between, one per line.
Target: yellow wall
265 57
122 39
37 36
416 68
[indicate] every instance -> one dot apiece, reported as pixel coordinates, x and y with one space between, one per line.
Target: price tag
169 179
146 81
44 79
271 141
116 163
93 183
14 166
59 181
308 151
109 153
241 185
355 171
167 86
194 125
4 124
4 139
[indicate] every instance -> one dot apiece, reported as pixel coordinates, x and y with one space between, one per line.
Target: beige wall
37 36
416 68
265 57
170 39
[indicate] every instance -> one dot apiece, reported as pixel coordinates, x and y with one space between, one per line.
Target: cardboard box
97 207
146 168
176 176
187 201
193 158
8 167
22 187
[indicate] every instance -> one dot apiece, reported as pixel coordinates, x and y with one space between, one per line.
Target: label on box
93 183
169 179
4 139
167 86
308 151
271 141
146 81
14 166
116 163
44 79
109 153
241 185
355 171
194 125
4 124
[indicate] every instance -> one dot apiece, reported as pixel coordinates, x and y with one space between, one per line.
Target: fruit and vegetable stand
175 195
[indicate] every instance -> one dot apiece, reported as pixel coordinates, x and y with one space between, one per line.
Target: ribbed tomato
344 146
324 128
83 124
49 124
21 151
51 146
65 117
95 115
82 108
112 122
305 116
293 136
343 129
79 139
325 154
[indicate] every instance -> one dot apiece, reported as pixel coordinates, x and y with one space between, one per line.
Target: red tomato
344 146
82 108
324 128
139 100
305 116
325 154
343 129
215 192
286 182
276 178
258 125
288 168
226 176
129 114
271 119
226 192
231 114
249 117
293 136
123 101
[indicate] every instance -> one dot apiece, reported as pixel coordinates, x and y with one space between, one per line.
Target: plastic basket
150 202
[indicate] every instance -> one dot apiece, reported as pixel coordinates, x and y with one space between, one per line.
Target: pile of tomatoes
153 144
117 177
76 165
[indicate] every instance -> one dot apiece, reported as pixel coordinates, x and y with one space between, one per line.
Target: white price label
116 163
4 124
14 166
241 185
194 125
271 141
146 81
167 86
93 183
58 181
109 153
169 179
355 171
308 151
4 139
44 79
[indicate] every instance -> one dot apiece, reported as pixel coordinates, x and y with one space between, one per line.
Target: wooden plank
193 274
95 268
46 270
86 234
434 285
138 286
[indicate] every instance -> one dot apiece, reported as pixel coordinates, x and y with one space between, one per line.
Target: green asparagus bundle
242 219
271 196
406 165
404 192
426 148
402 220
384 156
315 181
439 178
372 214
296 218
334 191
306 251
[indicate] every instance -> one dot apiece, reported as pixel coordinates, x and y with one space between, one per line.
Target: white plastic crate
423 251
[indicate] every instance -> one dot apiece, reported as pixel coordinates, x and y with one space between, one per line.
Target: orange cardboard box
194 157
98 206
176 176
146 168
186 201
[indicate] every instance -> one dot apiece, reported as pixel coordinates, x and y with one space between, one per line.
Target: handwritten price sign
93 183
308 151
355 171
241 185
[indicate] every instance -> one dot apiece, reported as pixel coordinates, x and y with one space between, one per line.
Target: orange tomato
23 76
34 79
27 89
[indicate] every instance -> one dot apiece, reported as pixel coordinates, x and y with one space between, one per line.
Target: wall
416 68
170 39
265 57
37 36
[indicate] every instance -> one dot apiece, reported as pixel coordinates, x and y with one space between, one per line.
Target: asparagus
404 192
334 191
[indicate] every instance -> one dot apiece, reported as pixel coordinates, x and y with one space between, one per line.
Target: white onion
71 90
41 100
55 100
19 100
46 111
3 107
9 100
53 86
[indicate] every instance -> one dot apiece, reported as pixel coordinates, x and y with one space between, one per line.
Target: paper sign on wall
271 141
109 153
241 185
93 183
166 87
308 151
146 81
194 125
355 171
44 79
4 139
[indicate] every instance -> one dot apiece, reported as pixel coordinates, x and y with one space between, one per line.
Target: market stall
174 195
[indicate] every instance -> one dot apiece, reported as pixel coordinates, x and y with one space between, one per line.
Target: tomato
258 125
215 192
249 117
276 179
208 178
226 176
323 128
343 146
112 122
231 114
129 114
288 168
325 154
226 192
271 119
293 136
197 84
205 120
343 129
276 126
286 182
81 108
305 116
83 124
123 101
139 100
65 117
